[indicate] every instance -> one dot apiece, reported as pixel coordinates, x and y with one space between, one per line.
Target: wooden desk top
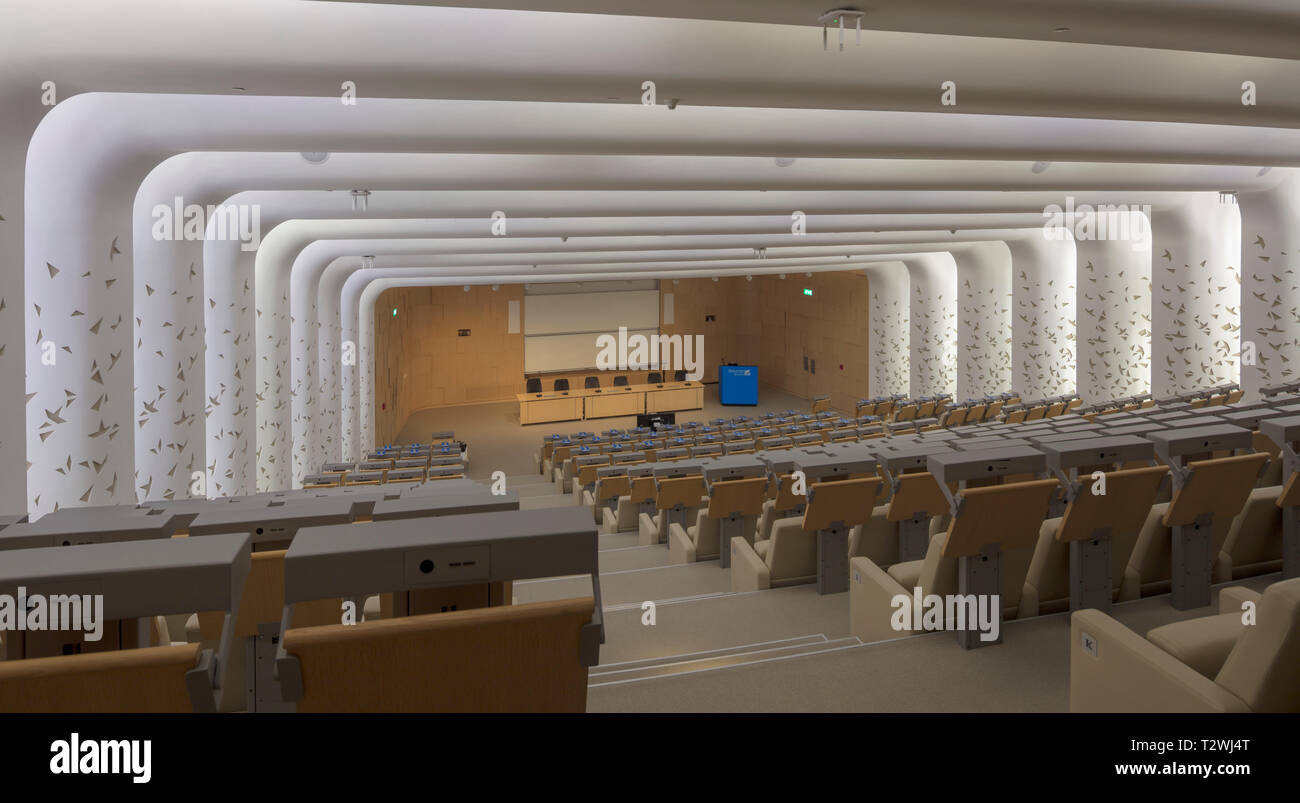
604 391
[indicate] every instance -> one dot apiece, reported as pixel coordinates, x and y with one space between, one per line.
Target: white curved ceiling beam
186 122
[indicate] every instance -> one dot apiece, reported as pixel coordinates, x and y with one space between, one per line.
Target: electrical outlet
447 565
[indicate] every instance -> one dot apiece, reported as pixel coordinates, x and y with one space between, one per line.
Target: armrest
680 547
871 596
1119 671
647 529
1232 598
748 571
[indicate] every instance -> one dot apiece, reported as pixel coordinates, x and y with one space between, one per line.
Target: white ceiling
558 129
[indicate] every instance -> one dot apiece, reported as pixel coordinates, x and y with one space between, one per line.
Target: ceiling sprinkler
836 16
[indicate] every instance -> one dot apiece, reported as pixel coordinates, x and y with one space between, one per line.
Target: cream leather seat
784 505
789 557
1124 509
1008 514
701 540
678 496
1208 664
1222 485
1253 544
624 517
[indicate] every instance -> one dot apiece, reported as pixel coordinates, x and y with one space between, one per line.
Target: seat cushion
908 573
1203 643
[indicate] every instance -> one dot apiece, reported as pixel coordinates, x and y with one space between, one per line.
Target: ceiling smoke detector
837 16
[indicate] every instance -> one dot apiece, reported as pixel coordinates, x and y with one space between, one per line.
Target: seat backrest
642 490
509 658
1219 486
1009 515
591 382
1261 669
1130 494
849 502
993 409
561 384
145 680
917 493
905 413
1016 416
1290 496
1036 413
533 385
587 473
743 496
791 556
679 376
1253 537
612 487
620 381
955 416
654 378
684 491
786 498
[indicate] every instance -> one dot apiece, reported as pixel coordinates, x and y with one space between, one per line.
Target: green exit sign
807 291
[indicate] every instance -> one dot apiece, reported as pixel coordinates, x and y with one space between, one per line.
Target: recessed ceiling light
1040 167
1061 29
784 161
240 88
315 157
1264 171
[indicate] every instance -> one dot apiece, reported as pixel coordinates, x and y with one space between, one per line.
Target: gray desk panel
277 523
1097 449
444 505
955 466
137 578
67 528
1177 441
386 556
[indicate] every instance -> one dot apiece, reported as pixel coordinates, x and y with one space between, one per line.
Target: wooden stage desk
609 402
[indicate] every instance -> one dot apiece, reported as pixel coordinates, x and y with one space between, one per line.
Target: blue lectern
738 384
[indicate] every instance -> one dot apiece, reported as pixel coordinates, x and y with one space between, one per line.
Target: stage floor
497 442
